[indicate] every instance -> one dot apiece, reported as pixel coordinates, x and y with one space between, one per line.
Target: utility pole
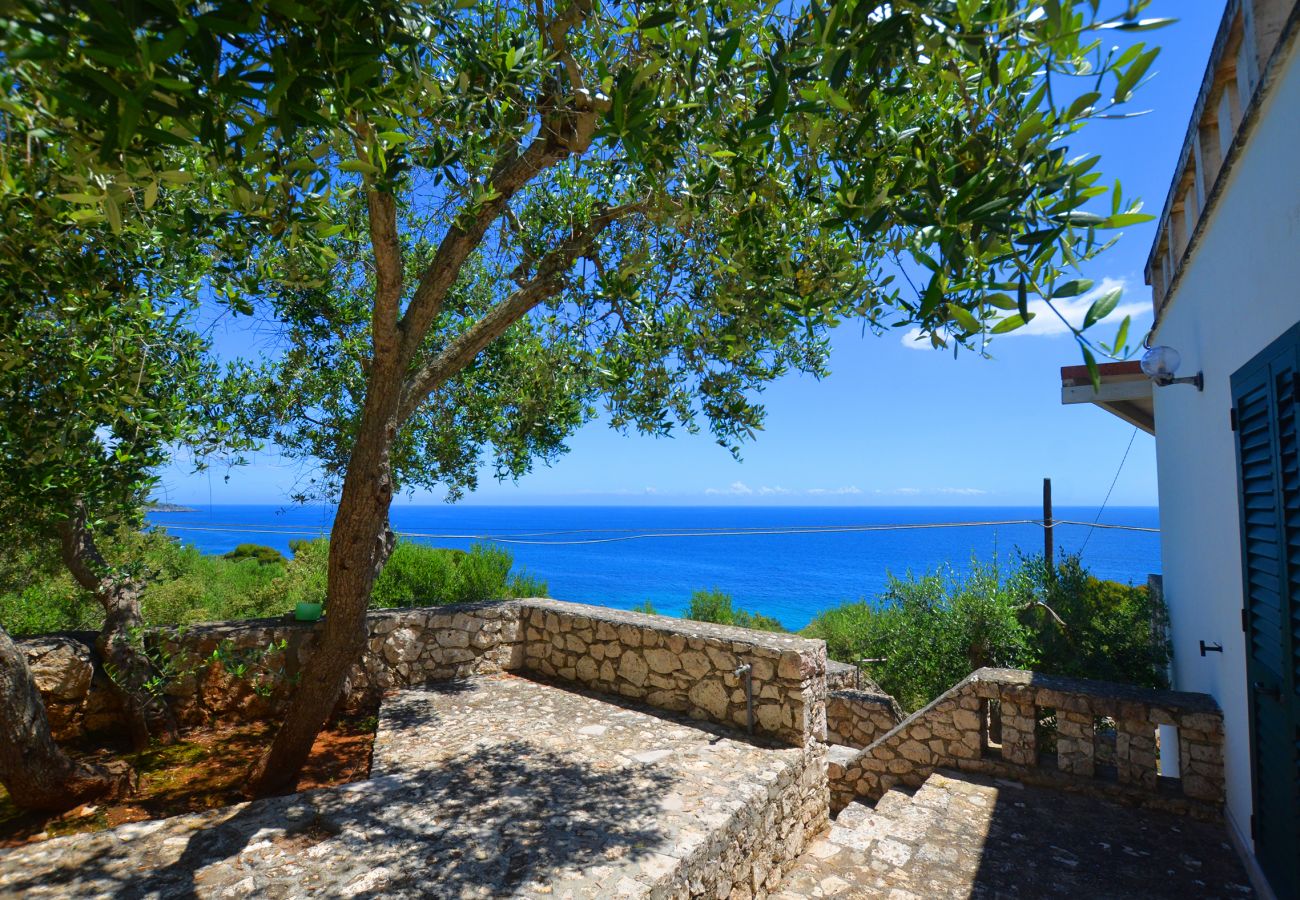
1049 550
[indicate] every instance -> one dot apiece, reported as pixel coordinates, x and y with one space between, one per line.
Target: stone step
894 800
964 835
854 814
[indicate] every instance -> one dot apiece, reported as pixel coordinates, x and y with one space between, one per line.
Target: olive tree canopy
486 218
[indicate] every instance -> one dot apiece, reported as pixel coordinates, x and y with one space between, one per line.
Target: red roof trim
1074 373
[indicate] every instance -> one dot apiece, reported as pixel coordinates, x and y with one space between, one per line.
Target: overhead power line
618 535
1114 481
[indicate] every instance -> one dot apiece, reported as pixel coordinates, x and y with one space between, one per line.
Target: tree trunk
121 640
360 543
37 774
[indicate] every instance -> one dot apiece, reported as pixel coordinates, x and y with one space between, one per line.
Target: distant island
170 508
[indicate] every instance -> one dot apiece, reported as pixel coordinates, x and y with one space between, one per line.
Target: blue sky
891 425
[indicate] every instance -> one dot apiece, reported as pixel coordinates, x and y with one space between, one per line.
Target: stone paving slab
492 787
962 836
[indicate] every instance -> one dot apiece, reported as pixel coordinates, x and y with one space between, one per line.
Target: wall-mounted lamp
1161 363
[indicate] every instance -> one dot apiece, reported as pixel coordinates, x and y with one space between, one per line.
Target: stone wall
672 664
763 839
683 666
996 722
406 646
842 676
856 718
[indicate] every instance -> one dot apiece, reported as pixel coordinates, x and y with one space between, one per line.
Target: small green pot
307 612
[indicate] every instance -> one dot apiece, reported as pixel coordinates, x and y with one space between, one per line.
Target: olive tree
102 377
490 218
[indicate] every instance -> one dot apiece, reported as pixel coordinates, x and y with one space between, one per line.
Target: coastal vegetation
927 632
181 585
714 605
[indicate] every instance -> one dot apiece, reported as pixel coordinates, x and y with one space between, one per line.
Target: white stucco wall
1239 291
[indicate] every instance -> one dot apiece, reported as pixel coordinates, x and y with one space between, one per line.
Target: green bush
37 595
184 585
935 629
415 575
1110 631
260 552
716 606
931 631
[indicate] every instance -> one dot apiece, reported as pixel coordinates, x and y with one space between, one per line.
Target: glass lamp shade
1160 363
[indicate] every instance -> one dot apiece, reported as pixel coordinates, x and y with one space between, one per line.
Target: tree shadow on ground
487 822
1045 843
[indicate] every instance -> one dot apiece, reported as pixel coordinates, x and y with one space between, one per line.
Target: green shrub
303 580
645 606
413 575
716 606
260 552
1106 630
935 629
184 585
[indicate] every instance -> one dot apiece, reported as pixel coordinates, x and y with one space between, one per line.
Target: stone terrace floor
963 836
494 787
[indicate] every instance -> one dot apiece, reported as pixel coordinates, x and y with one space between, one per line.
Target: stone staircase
968 835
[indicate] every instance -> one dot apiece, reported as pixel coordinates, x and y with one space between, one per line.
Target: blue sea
785 562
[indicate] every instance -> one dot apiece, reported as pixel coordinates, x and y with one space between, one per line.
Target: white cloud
1047 323
839 491
769 490
735 489
965 492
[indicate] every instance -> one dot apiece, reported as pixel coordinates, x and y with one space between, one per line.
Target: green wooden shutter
1265 395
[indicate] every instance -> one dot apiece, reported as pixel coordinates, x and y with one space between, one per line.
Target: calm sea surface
622 556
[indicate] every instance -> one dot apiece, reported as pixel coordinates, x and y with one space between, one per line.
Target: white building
1225 275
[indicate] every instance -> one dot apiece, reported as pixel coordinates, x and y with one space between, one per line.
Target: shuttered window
1266 405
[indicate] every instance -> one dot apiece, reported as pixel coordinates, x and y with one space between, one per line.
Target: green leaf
1094 373
963 318
1123 220
1081 103
1001 301
656 19
357 165
114 213
1121 336
1041 236
1137 25
1102 307
1073 288
1010 323
1133 74
1081 218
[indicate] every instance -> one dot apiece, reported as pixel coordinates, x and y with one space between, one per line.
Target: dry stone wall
856 718
764 837
672 664
994 722
405 647
683 666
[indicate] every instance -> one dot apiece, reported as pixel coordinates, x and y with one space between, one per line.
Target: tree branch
546 282
565 130
382 210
